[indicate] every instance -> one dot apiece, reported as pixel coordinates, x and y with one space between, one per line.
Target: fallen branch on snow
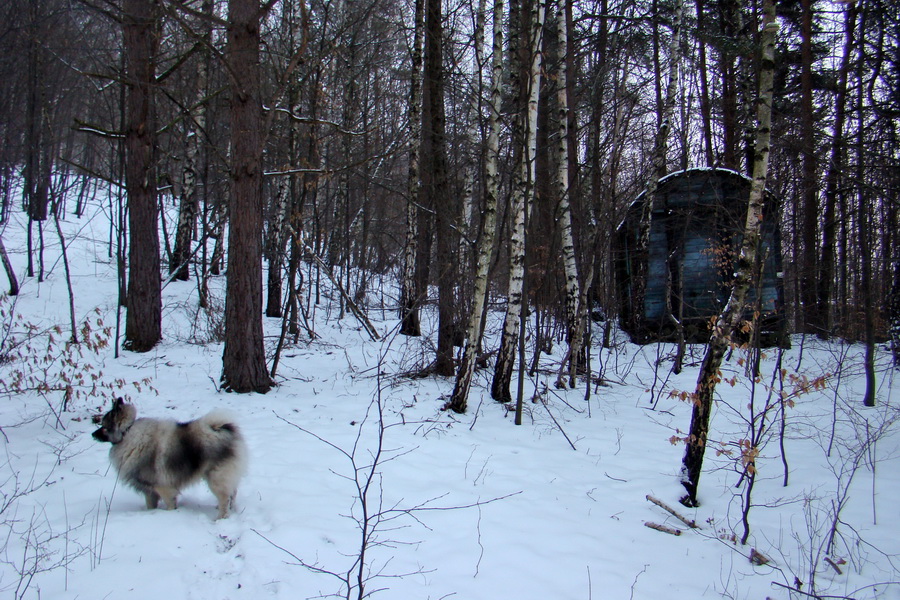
690 523
663 528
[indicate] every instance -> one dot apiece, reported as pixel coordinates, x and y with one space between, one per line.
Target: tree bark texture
574 333
863 199
196 125
10 272
731 25
409 292
459 397
522 197
436 186
38 157
276 240
473 134
143 320
243 361
745 270
813 313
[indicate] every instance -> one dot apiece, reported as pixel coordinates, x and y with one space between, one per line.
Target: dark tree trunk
812 311
731 314
435 184
143 320
865 290
244 360
37 171
729 16
705 105
864 199
10 273
825 289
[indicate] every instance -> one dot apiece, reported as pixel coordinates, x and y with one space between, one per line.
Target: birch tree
277 238
731 315
196 126
409 292
459 397
286 196
472 132
522 196
574 333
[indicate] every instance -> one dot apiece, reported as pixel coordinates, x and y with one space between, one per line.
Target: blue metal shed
696 226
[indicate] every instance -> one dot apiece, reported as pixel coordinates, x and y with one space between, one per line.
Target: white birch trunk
469 207
276 243
409 292
521 206
460 394
573 293
187 212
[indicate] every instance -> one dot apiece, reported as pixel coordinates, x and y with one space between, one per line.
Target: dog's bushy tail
220 421
220 428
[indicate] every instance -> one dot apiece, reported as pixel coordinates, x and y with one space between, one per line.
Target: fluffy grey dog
160 457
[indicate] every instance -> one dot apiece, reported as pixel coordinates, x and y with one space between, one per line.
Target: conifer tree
243 361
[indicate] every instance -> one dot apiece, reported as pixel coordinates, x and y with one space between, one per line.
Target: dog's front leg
152 499
169 496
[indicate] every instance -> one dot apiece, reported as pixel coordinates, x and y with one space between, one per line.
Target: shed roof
694 172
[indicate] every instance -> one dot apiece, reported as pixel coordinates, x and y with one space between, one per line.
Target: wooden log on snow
690 523
663 528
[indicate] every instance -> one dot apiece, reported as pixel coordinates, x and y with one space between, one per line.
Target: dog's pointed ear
118 403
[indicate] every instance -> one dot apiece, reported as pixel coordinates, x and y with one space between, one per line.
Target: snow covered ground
460 506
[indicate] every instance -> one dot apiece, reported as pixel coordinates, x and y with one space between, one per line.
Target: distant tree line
474 151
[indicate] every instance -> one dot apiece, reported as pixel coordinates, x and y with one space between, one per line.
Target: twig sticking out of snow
834 565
